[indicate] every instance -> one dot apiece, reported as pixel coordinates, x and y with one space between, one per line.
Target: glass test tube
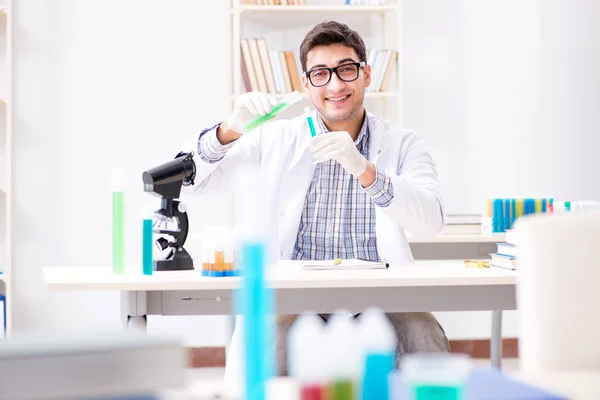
208 255
219 261
228 265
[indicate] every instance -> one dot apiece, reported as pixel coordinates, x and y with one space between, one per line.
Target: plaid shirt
338 218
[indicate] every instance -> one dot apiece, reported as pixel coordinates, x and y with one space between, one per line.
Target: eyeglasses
346 72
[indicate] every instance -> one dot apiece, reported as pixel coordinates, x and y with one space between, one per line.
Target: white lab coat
281 149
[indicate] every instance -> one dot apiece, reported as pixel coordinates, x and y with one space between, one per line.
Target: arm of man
216 161
213 168
411 196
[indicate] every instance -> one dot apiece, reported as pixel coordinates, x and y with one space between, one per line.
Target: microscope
165 181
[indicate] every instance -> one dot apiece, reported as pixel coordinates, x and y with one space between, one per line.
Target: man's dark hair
331 32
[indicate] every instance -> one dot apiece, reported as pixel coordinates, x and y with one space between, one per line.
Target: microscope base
181 262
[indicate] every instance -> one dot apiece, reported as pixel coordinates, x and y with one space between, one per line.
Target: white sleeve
417 204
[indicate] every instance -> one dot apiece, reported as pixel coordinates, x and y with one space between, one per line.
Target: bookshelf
6 159
387 92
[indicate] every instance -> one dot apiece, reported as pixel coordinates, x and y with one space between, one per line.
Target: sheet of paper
352 263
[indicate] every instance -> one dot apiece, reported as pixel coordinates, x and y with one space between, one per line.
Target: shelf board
316 9
368 95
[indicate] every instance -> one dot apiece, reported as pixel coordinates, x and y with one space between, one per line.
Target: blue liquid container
255 302
436 376
147 262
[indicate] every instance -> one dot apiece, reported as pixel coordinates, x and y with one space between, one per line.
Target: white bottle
342 354
378 353
305 352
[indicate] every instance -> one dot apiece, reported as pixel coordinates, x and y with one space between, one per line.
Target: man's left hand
339 146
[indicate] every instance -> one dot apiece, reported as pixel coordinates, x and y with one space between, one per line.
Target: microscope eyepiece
166 179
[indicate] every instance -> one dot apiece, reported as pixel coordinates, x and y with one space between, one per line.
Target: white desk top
286 275
459 238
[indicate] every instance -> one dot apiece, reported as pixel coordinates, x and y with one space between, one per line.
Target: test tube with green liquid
118 227
284 104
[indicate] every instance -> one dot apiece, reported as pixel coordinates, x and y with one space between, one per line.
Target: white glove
247 107
339 146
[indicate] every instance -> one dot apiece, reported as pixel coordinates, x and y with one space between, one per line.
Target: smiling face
337 101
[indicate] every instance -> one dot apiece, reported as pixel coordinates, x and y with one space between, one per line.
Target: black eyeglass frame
333 70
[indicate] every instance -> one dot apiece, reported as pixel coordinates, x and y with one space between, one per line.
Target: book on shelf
303 2
267 70
382 64
277 72
274 2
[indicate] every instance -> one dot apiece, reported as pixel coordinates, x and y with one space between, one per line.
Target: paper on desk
352 263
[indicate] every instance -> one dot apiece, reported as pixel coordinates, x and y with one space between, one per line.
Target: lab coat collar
379 137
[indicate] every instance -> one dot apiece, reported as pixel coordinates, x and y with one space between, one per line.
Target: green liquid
341 390
261 119
434 392
118 226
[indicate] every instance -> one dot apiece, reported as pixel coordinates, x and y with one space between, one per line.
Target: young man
349 192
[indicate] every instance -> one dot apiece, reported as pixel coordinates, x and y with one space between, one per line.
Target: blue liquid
255 303
435 392
147 263
375 382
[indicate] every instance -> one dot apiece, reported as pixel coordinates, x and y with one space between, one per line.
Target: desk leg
496 342
229 328
134 310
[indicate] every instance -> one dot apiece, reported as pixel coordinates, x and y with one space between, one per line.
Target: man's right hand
247 107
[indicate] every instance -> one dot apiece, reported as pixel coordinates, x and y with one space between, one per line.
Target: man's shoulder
391 128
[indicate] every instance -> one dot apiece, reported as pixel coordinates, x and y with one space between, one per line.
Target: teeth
339 98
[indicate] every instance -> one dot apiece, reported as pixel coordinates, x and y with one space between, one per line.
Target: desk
420 286
455 247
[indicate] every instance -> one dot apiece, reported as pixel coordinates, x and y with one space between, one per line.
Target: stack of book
278 72
462 224
275 2
382 64
303 2
268 71
506 254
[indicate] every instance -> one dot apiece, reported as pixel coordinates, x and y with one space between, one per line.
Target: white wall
102 84
129 80
472 89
